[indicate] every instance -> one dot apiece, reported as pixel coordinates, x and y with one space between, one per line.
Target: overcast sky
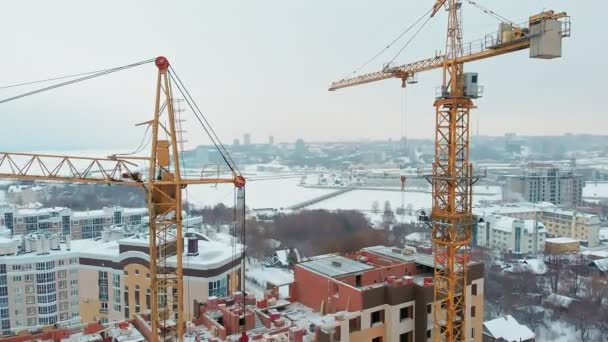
263 67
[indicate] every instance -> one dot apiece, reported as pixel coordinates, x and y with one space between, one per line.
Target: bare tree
584 317
375 207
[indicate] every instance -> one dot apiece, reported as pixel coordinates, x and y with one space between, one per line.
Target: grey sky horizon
263 67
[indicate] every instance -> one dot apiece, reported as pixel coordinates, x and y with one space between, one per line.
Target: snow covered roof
603 233
600 264
336 266
536 266
561 240
559 300
507 328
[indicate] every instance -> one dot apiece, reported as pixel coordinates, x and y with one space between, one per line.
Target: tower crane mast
162 186
452 175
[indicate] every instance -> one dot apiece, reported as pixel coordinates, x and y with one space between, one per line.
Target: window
45 277
19 290
19 301
74 283
428 333
472 333
17 278
474 289
31 322
407 337
61 274
377 339
218 288
63 295
377 317
429 308
354 324
29 277
46 310
358 280
136 272
127 316
60 262
41 266
63 306
472 311
406 313
30 300
63 284
104 307
148 275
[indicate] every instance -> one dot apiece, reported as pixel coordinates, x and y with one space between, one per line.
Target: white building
558 222
45 281
79 224
510 235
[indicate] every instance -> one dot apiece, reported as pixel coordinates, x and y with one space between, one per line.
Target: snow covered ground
271 193
363 199
557 331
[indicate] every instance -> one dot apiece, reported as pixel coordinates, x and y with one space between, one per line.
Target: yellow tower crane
452 175
162 186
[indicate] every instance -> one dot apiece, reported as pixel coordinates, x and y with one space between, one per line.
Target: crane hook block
162 62
239 181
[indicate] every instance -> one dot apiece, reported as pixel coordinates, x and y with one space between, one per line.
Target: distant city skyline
264 68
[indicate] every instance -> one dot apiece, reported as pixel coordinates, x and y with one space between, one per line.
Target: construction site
167 272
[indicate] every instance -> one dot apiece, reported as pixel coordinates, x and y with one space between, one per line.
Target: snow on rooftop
509 329
560 240
559 300
603 233
536 266
597 254
601 264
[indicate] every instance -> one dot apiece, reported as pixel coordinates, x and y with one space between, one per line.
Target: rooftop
397 254
211 252
335 266
508 328
561 240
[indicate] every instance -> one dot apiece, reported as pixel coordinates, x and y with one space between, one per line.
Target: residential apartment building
382 294
558 222
540 183
103 279
572 224
510 235
79 224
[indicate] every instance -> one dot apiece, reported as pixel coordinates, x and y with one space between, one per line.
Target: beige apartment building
557 222
44 280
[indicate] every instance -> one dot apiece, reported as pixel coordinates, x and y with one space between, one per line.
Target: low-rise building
506 329
561 245
510 235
